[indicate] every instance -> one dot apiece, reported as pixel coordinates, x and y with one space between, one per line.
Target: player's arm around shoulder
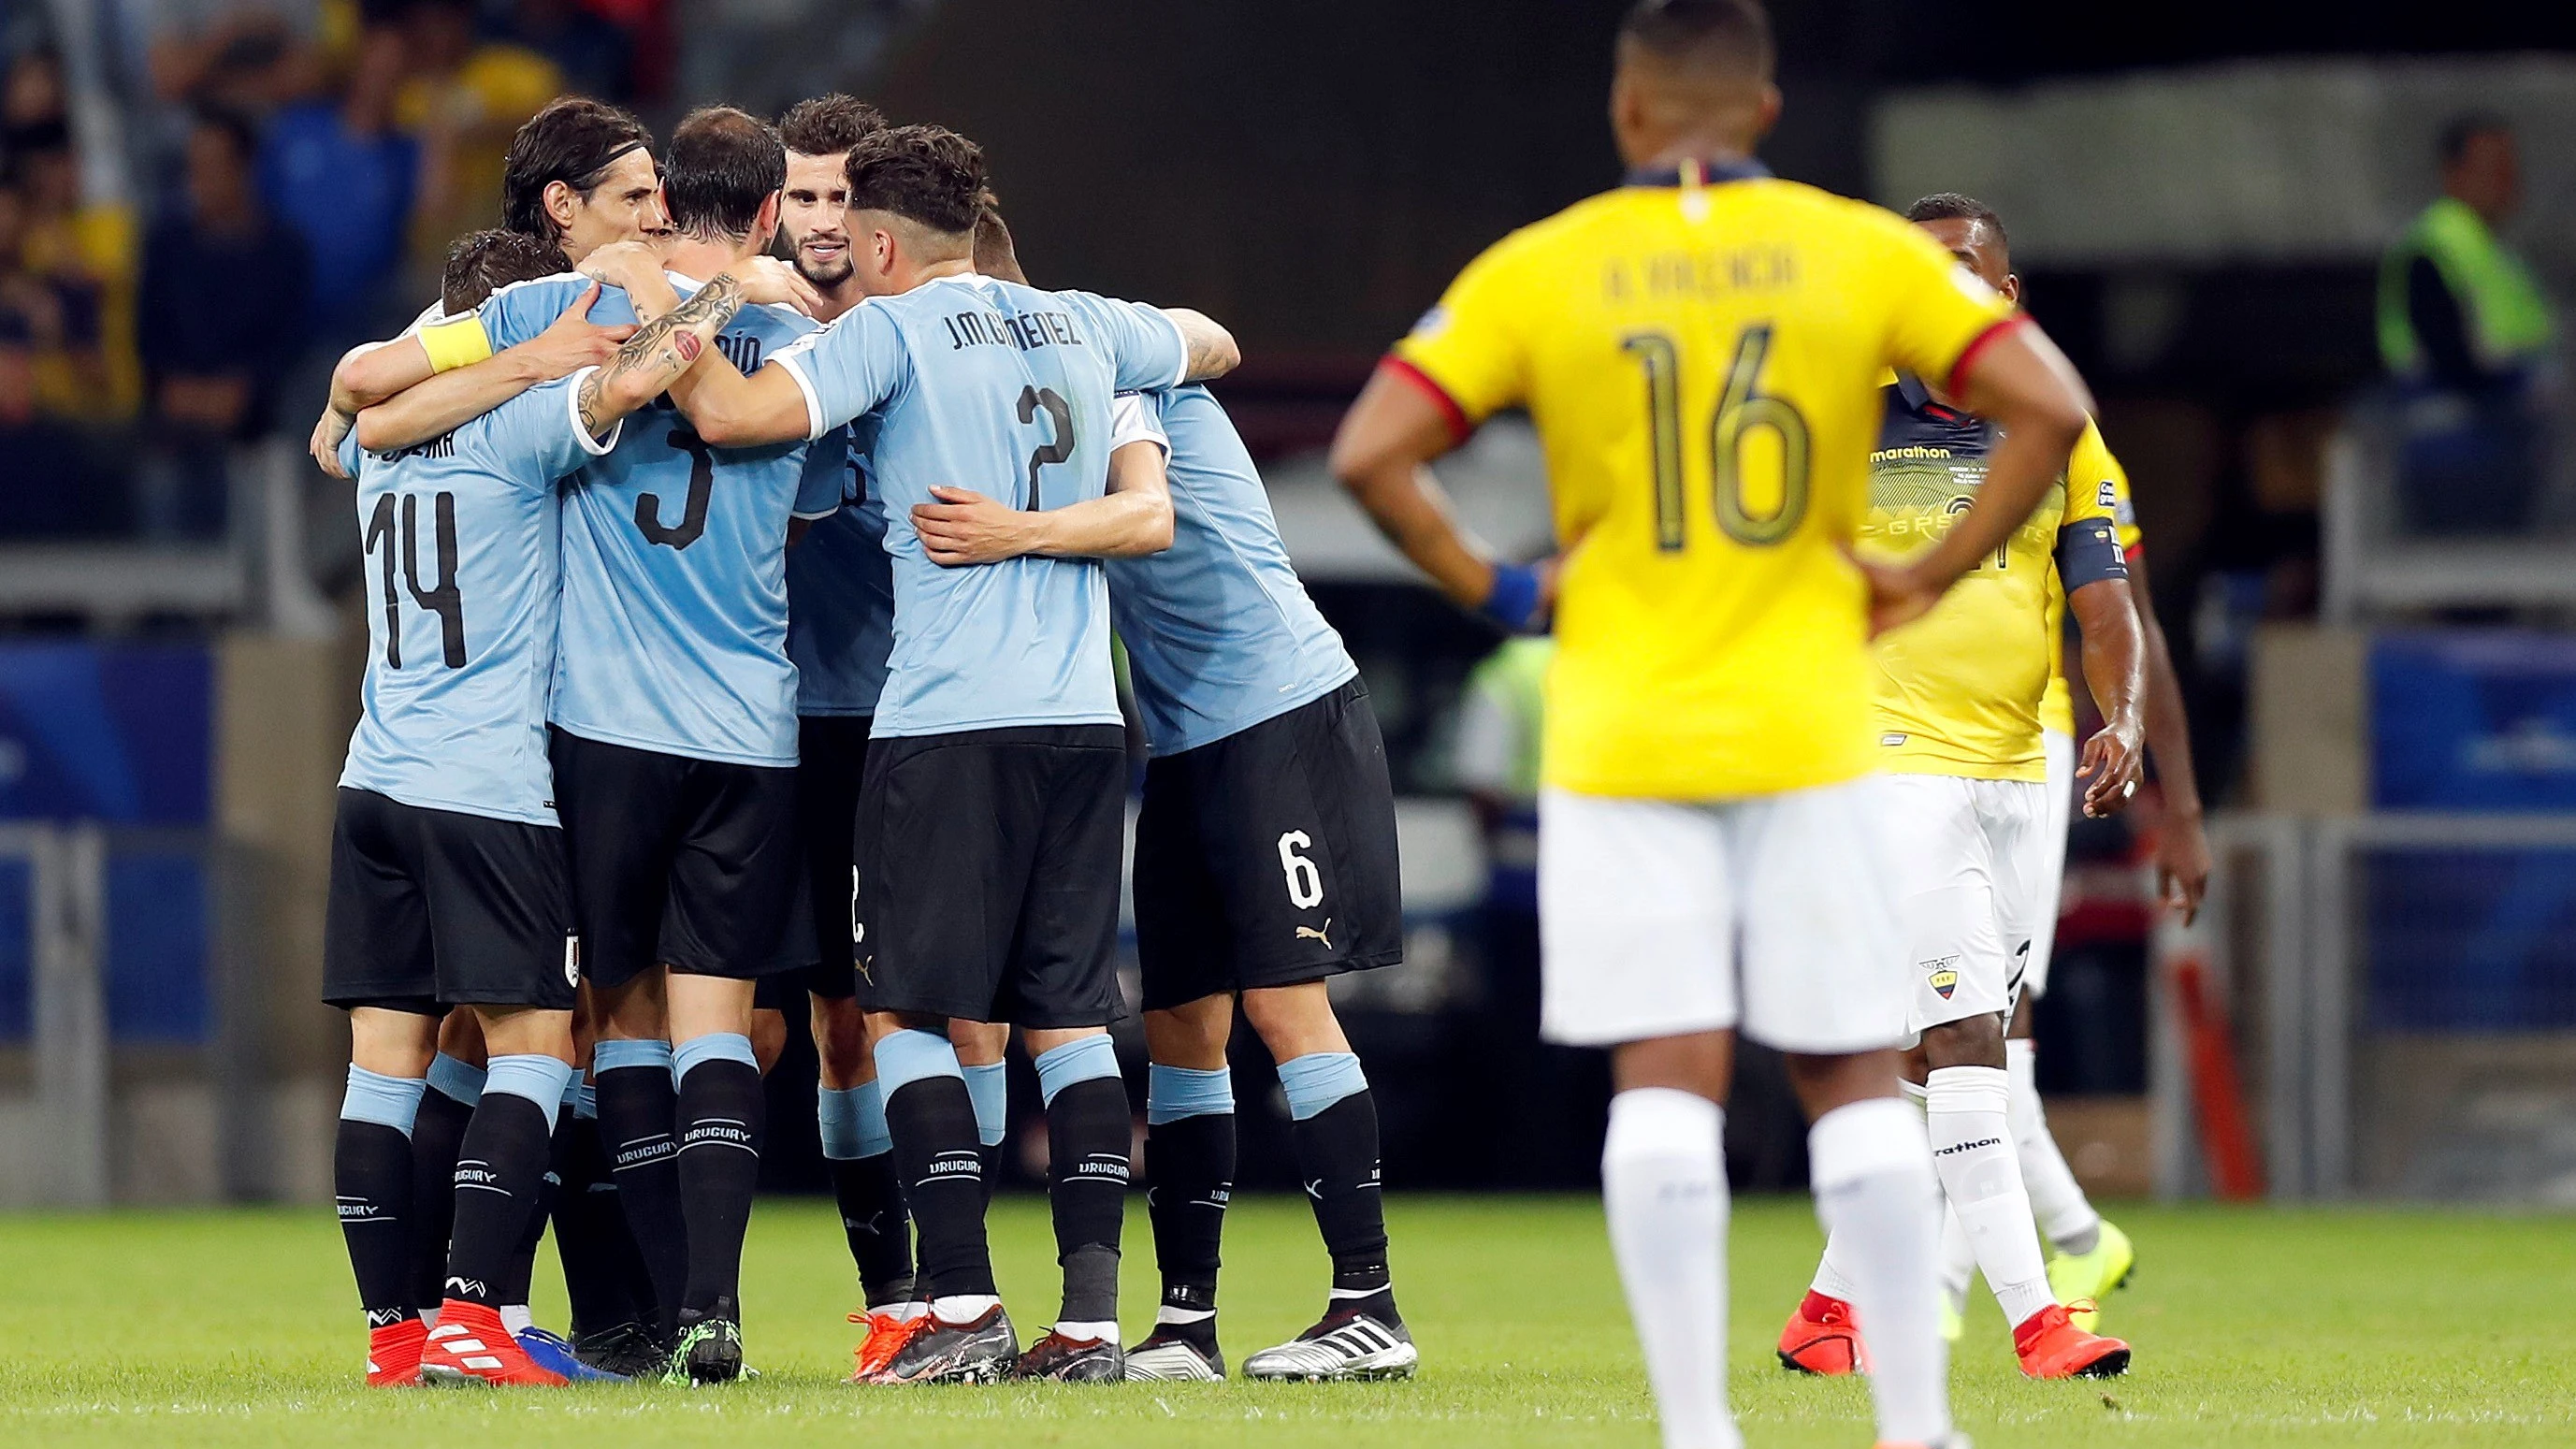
649 362
456 377
1131 520
783 401
1210 349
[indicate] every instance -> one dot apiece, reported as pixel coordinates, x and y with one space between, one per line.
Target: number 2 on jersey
1742 411
1056 449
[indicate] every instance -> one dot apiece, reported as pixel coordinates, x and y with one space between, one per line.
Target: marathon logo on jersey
1943 973
1027 331
1955 1148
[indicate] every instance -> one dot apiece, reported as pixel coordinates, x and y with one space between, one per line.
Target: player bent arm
1131 520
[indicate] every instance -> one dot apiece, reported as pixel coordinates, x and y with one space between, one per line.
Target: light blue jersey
840 599
675 576
463 573
1220 634
1004 389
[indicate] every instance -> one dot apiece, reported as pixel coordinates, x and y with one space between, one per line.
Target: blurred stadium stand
2198 203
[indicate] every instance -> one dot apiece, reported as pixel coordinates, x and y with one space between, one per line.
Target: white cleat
1342 1347
1174 1360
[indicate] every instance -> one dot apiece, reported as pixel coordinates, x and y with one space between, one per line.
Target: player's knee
1192 1035
768 1038
1976 1041
1295 1021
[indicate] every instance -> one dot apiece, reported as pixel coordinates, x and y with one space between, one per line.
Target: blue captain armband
2088 551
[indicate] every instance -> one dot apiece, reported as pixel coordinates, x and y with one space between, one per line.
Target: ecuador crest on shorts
1944 975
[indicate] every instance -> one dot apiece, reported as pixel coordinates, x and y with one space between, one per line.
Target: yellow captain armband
457 342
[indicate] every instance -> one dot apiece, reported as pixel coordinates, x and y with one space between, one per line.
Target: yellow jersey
1959 689
1700 356
2092 463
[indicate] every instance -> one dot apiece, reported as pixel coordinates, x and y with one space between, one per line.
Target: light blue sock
457 1079
1317 1080
990 1087
715 1046
386 1101
908 1056
853 1121
539 1078
611 1056
1079 1060
585 1100
1172 1093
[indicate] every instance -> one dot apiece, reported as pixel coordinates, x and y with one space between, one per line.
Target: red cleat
2052 1347
393 1354
887 1334
1823 1338
469 1346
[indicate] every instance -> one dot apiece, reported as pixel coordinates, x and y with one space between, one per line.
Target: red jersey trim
1459 425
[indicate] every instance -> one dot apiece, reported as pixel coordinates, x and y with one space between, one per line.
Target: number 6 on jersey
1305 883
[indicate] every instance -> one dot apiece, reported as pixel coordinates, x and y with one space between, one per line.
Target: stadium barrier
2399 995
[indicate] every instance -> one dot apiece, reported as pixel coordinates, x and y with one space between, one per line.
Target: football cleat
1347 1344
2052 1347
1172 1358
2074 1277
888 1332
626 1351
708 1350
980 1352
469 1346
393 1354
1072 1360
548 1350
1823 1338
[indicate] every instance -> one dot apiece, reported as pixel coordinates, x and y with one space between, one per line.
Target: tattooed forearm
657 354
1210 348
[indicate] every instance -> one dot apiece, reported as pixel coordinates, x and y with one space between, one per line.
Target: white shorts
1661 919
2060 749
1967 860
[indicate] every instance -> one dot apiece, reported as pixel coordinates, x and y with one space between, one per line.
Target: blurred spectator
464 99
594 56
247 59
2468 334
80 256
343 177
50 485
223 316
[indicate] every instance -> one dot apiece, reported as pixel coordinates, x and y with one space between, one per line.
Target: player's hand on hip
2182 865
2112 760
1897 596
324 445
572 341
965 527
771 282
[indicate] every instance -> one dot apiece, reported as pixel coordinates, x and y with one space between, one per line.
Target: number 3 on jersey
1744 413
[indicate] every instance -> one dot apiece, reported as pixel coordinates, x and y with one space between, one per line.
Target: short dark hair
2461 129
828 125
928 175
239 131
1732 35
573 140
480 263
723 163
1952 205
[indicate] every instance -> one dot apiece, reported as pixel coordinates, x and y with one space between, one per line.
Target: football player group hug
745 536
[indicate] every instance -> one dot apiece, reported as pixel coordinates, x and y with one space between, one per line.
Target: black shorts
831 753
988 874
1268 858
438 908
681 862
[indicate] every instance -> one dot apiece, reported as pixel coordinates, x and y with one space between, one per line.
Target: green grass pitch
2252 1327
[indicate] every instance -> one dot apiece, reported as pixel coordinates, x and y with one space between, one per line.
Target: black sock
721 1114
1337 1156
435 1133
590 1232
870 1196
1088 1134
1189 1177
371 1177
500 1168
636 1111
521 1274
942 1174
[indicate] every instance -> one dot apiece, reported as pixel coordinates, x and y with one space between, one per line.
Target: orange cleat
887 1334
393 1354
2050 1346
1823 1338
469 1346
